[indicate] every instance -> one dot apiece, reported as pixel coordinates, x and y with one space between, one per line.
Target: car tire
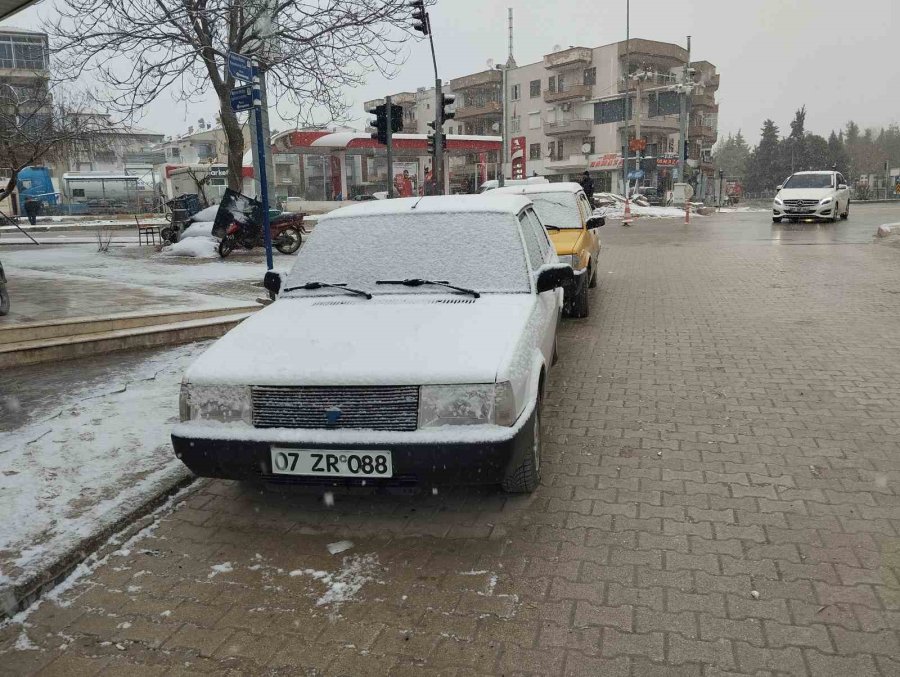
290 241
555 352
593 274
581 306
4 299
835 217
776 219
846 214
527 476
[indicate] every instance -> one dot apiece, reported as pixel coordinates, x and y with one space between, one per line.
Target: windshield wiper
325 285
549 227
418 282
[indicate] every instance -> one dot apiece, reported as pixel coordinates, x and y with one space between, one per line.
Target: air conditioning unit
565 107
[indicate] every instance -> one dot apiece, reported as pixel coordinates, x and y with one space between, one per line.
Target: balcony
652 52
489 108
570 163
564 127
568 94
704 132
574 56
664 125
477 80
705 100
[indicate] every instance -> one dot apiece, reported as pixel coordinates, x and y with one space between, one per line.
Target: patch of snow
328 499
166 613
223 568
339 546
480 572
618 211
24 643
198 229
207 214
200 247
885 229
133 589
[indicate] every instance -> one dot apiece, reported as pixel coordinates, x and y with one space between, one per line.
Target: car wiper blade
418 282
549 227
325 285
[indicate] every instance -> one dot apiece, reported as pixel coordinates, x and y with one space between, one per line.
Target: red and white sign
607 161
667 162
517 157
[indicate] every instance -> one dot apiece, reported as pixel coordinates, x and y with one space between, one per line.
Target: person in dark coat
32 207
587 185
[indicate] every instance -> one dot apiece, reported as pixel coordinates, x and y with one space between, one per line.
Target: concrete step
146 336
35 331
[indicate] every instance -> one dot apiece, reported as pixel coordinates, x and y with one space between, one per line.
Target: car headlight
824 200
468 404
222 403
778 201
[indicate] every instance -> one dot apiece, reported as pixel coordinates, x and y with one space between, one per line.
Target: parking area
719 496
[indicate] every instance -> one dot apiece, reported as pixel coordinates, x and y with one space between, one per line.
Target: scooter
286 228
4 295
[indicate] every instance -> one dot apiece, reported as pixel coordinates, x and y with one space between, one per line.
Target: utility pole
504 129
682 120
627 158
437 168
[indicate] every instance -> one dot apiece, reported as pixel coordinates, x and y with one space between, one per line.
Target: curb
18 597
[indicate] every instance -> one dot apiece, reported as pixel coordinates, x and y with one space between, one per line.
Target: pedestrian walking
587 185
32 207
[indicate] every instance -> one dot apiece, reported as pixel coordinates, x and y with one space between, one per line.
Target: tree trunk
10 186
235 139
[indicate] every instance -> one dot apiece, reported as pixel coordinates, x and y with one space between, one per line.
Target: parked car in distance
493 184
812 195
568 217
409 345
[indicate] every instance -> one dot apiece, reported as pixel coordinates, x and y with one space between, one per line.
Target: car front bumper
417 460
813 212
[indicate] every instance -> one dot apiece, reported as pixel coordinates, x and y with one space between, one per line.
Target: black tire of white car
846 214
527 477
836 215
4 299
593 273
581 306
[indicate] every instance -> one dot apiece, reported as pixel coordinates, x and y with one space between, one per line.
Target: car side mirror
272 283
596 221
778 187
843 186
553 276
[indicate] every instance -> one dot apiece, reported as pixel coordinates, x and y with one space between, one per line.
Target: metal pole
437 169
263 179
503 128
390 148
627 90
682 120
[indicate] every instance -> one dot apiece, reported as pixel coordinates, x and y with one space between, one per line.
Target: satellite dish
490 63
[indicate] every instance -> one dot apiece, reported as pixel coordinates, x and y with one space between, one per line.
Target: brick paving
725 422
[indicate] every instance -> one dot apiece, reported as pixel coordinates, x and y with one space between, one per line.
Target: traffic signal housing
396 118
447 100
379 123
420 17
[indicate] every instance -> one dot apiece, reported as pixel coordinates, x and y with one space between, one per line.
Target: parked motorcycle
4 294
287 234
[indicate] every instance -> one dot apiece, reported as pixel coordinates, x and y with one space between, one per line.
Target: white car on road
812 195
409 345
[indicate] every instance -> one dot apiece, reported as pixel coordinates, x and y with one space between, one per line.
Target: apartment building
575 111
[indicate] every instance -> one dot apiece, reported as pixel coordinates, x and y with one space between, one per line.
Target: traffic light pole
390 148
437 170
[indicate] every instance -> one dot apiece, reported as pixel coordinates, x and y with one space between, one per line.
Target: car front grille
806 204
336 408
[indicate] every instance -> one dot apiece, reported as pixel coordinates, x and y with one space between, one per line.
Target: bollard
626 220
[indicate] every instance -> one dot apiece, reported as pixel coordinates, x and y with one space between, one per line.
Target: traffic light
430 141
396 118
685 151
380 123
420 17
447 101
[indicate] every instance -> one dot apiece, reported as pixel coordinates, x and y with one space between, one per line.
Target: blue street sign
240 67
242 98
639 174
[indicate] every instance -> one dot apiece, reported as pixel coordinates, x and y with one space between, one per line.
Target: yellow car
568 217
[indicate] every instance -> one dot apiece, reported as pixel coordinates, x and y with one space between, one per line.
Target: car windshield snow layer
557 209
479 251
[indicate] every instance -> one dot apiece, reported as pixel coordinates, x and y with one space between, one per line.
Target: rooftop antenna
511 61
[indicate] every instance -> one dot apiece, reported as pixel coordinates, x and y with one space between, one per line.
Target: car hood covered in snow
401 339
805 193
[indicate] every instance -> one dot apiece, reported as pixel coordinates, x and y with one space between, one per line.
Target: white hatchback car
812 195
409 345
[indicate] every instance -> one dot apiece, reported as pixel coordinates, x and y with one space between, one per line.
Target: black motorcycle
4 295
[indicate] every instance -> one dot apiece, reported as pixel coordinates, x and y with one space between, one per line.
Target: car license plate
331 463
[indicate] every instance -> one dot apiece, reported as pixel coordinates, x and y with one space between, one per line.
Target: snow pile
195 247
71 474
885 229
637 211
208 214
198 229
223 568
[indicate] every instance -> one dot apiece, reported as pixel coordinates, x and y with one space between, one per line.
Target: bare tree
41 122
310 50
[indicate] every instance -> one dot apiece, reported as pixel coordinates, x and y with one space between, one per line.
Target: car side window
542 238
531 242
585 208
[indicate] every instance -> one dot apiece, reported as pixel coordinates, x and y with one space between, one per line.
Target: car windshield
479 251
557 209
809 181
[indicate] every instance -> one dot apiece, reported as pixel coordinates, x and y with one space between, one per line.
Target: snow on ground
198 229
637 211
104 451
200 247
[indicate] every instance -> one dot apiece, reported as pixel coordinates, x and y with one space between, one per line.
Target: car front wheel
846 214
581 306
527 476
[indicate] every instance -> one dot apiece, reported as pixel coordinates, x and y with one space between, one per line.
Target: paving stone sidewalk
726 422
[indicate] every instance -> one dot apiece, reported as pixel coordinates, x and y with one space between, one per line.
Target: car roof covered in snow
438 204
816 171
537 188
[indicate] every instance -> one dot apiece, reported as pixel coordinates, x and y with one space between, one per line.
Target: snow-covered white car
409 345
812 195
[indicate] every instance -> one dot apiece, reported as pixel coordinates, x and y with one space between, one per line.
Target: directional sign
240 67
242 98
639 174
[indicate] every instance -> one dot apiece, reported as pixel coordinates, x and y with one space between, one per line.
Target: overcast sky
837 58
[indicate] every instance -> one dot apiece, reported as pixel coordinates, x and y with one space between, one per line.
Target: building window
610 111
551 150
534 121
534 151
551 84
19 51
589 140
559 150
561 82
535 88
514 92
663 103
515 125
590 76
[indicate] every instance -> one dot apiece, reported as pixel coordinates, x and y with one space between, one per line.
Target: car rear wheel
4 299
846 214
526 478
581 302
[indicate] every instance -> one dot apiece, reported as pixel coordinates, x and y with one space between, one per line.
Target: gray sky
773 55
